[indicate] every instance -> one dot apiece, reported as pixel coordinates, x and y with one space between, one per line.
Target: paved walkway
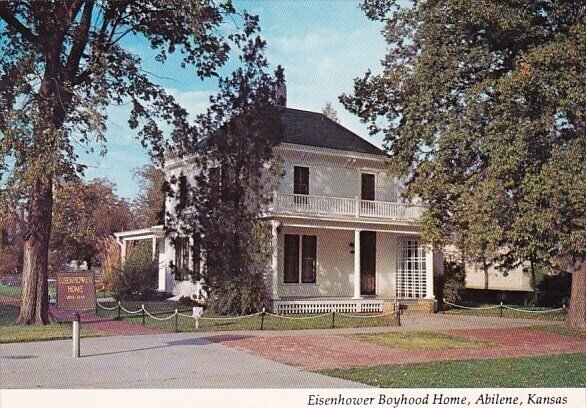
106 325
338 351
174 360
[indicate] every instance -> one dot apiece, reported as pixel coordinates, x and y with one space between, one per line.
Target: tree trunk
534 296
577 313
35 291
485 269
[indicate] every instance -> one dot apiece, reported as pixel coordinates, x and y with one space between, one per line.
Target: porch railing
346 207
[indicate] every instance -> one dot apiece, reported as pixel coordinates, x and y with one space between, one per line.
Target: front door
367 263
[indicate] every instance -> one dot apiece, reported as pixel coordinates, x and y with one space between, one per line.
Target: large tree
61 64
479 101
219 205
149 205
85 213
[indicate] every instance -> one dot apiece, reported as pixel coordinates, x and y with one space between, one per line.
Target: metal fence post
143 315
176 321
119 311
501 309
399 317
262 319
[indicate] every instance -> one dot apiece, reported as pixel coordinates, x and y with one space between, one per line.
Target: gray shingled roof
314 129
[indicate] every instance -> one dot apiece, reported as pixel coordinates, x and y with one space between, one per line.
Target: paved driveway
179 360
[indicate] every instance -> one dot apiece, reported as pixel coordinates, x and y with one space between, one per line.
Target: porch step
417 307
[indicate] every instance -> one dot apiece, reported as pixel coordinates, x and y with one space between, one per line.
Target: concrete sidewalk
182 360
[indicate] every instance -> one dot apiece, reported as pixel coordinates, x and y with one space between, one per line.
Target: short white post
357 264
76 346
197 312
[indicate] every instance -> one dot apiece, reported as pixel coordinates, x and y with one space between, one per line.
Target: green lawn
507 313
565 370
560 329
187 324
420 340
10 333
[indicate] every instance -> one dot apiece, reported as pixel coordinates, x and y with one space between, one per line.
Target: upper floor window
368 183
301 180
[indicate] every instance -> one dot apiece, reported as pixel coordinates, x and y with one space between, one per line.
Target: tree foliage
84 214
481 103
11 236
61 64
149 205
329 112
219 204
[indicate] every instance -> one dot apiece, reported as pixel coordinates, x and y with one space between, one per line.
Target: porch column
357 264
154 246
162 266
429 272
123 251
275 259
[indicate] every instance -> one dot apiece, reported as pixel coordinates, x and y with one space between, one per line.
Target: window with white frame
411 273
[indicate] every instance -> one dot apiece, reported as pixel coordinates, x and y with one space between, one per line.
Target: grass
420 340
564 370
187 324
559 329
10 333
514 314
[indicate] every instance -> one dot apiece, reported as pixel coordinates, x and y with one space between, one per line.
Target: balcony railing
343 207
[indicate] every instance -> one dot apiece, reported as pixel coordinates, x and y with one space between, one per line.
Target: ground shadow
195 341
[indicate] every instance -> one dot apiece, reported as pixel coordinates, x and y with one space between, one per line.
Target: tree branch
13 22
80 40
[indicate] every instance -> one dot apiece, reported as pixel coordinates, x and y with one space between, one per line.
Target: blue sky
323 45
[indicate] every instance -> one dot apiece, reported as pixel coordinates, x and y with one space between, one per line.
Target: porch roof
155 231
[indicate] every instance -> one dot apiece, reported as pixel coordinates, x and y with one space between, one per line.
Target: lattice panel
411 270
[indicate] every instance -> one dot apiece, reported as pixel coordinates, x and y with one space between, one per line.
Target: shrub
554 290
239 296
188 301
109 254
451 283
137 278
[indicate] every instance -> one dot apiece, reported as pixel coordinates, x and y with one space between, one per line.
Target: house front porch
319 266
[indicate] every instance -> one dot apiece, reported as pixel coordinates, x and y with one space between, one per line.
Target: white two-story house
342 239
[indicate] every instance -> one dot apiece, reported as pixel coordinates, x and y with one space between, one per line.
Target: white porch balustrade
343 207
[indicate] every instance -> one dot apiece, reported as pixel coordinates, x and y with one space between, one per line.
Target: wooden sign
76 291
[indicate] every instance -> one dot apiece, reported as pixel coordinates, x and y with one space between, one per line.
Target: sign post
76 319
76 292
